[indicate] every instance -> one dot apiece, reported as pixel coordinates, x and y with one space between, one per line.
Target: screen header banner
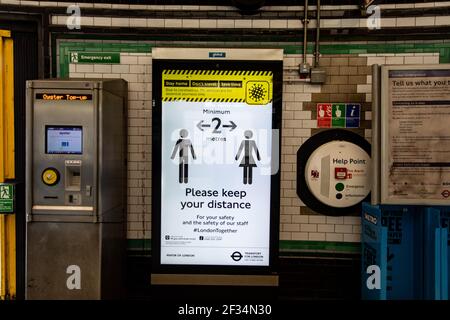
248 54
251 87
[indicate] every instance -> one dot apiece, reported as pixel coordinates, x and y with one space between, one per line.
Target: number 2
217 126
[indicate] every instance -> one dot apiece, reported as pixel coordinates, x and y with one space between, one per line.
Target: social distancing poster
216 165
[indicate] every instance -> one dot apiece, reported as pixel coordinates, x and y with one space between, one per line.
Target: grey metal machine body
76 188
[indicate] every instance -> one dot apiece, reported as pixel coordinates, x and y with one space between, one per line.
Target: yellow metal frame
7 170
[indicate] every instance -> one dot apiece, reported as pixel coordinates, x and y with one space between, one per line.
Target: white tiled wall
136 69
297 123
278 23
397 58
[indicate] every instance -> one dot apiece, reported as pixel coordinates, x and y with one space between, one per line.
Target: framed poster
216 145
415 134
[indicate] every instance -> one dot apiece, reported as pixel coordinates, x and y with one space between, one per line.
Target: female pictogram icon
184 145
248 162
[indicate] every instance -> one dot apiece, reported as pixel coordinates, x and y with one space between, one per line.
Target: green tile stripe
286 246
291 245
444 55
139 244
443 48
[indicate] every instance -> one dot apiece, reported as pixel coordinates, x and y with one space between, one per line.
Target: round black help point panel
333 172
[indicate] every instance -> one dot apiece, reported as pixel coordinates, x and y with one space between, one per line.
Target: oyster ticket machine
76 188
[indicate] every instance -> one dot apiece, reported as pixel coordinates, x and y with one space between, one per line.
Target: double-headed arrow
201 125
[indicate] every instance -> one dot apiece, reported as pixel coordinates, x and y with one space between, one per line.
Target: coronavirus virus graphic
257 92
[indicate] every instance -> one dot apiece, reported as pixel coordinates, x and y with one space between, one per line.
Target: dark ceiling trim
227 14
267 2
266 35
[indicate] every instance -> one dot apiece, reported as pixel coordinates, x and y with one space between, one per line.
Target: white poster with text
216 167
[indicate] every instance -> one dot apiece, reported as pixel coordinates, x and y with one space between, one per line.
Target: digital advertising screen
219 162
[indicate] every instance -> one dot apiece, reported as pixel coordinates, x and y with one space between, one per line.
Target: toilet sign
218 161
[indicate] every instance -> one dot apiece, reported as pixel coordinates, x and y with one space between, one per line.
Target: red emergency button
340 173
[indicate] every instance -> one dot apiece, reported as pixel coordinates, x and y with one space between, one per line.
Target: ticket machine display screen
64 139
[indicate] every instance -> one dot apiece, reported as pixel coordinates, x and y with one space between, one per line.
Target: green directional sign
6 198
94 57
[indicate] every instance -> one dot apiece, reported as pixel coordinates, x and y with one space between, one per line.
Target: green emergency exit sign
94 57
6 198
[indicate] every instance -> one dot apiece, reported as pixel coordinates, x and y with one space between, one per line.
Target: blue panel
352 122
445 234
402 252
437 265
353 110
444 264
374 251
432 253
415 262
352 115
